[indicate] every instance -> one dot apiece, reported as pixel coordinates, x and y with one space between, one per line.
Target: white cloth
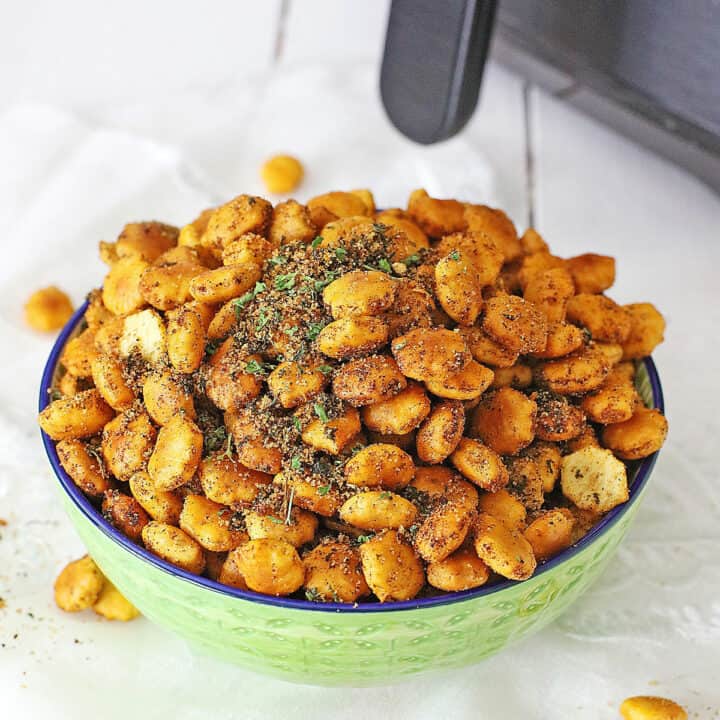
651 624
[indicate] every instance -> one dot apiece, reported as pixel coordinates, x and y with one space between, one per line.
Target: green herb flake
216 438
454 255
324 490
385 495
278 260
340 252
321 284
384 265
313 330
296 424
325 369
313 595
295 462
363 538
254 367
241 302
228 447
212 346
273 519
95 453
411 260
55 394
262 320
316 242
320 412
285 282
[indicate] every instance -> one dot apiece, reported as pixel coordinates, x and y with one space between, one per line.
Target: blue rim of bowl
88 510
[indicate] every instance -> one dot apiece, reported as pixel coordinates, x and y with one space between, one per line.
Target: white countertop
151 110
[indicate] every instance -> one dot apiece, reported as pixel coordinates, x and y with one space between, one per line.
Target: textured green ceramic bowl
336 644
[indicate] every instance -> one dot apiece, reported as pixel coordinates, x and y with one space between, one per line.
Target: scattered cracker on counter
648 707
112 605
282 174
78 585
48 309
81 585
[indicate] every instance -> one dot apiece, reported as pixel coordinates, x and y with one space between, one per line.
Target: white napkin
652 623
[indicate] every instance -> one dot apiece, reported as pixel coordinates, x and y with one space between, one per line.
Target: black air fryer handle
433 64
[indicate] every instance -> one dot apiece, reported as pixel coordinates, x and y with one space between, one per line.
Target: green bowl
340 644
